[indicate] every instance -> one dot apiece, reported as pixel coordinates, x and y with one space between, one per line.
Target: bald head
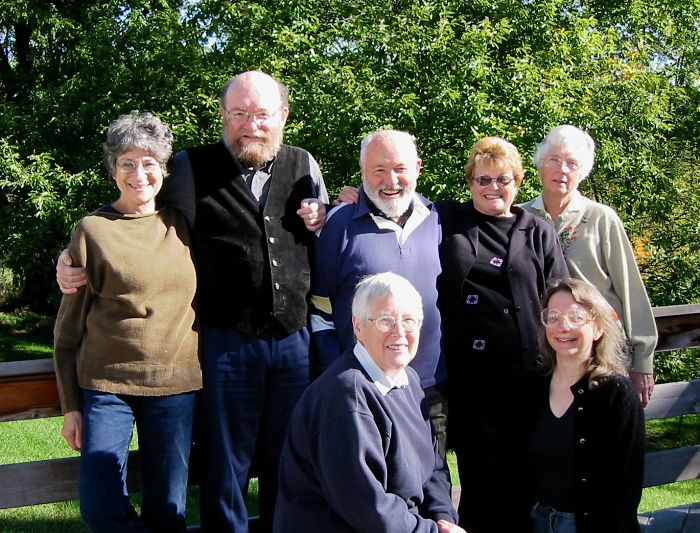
400 139
260 80
254 111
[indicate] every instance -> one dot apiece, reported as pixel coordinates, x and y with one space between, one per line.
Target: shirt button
277 286
580 391
583 480
582 441
275 263
506 311
267 218
272 240
517 308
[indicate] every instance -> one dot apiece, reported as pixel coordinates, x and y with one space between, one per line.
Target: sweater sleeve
70 328
178 188
353 473
323 331
625 457
637 316
555 264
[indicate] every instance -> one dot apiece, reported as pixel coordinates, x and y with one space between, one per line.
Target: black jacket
608 451
534 260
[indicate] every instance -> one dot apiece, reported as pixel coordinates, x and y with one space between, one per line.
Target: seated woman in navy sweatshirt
359 454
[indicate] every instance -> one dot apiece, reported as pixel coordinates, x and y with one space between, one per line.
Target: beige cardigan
598 251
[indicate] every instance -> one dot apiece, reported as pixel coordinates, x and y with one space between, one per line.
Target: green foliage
448 71
677 365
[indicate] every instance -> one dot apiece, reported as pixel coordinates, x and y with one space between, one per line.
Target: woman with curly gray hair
126 346
586 444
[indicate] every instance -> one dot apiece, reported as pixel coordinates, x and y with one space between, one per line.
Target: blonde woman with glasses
586 444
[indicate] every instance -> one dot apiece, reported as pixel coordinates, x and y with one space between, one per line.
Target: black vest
253 264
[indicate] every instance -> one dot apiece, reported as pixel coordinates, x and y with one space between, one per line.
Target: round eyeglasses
129 166
556 162
385 323
238 116
575 318
488 180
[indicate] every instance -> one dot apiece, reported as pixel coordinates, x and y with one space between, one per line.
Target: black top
608 451
551 455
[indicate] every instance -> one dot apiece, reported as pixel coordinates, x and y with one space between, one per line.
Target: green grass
26 335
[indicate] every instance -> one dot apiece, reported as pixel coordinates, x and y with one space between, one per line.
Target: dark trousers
251 384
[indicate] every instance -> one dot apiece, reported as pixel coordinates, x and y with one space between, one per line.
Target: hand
644 383
69 278
73 429
313 213
448 527
348 194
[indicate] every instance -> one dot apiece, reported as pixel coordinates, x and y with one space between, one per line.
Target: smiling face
390 169
253 141
494 199
393 350
139 178
568 342
559 181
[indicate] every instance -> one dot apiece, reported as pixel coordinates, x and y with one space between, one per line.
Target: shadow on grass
25 335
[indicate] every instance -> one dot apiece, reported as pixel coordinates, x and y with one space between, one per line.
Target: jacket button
277 286
272 240
582 441
275 263
580 409
267 218
580 391
583 480
517 308
505 311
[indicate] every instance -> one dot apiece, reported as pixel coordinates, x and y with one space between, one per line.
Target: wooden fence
28 390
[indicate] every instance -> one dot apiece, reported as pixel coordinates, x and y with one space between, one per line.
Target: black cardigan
534 260
608 451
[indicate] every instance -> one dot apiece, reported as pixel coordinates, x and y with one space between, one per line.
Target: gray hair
138 130
281 87
394 135
405 295
570 138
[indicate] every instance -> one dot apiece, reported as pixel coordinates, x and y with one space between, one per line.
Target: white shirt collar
383 382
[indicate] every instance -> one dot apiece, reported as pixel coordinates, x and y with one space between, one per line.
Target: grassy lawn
26 335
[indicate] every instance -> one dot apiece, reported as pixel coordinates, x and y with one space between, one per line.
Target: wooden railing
28 390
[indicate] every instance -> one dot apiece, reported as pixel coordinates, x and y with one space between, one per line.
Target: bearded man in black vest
250 201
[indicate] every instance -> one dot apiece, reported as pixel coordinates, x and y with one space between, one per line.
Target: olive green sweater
132 329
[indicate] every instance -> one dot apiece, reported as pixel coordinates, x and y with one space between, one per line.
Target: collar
383 382
577 203
421 209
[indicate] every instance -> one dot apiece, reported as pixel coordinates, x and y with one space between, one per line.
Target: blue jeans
165 435
251 384
546 519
